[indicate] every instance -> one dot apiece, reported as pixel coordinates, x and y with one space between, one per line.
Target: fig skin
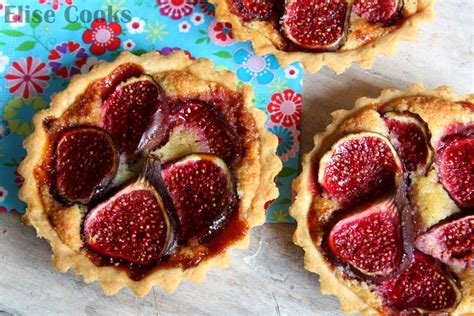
339 169
128 112
455 162
370 240
132 226
411 140
198 127
85 162
143 235
251 10
385 12
419 287
451 242
202 189
316 25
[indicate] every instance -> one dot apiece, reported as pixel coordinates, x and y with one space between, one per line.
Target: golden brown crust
438 108
376 41
182 77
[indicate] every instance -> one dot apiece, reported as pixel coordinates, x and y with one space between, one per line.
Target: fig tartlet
320 32
385 202
147 171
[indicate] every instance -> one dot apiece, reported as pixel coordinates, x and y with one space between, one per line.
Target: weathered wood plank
266 279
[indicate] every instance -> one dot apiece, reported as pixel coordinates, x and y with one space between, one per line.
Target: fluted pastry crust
178 76
364 42
439 108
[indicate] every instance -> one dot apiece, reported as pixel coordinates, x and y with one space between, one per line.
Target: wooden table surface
268 278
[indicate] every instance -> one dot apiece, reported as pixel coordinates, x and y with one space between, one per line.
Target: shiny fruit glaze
140 224
369 228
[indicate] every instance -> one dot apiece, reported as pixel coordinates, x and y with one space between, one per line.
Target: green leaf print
223 54
286 172
73 26
27 45
12 33
286 201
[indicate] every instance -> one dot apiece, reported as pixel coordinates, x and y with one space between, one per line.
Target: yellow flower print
19 113
155 32
278 85
116 5
279 216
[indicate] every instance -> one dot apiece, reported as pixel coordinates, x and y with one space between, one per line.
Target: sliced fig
455 159
86 160
128 111
260 9
411 141
358 168
452 243
424 286
120 74
202 190
131 226
197 127
386 12
249 10
316 24
370 240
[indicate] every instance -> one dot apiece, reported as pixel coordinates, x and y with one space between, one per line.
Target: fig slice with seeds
386 12
411 141
107 85
197 127
455 160
259 9
358 168
131 226
128 111
424 286
86 161
316 24
452 243
203 193
370 240
249 10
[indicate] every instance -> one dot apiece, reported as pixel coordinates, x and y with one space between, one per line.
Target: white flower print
135 26
4 60
128 45
184 27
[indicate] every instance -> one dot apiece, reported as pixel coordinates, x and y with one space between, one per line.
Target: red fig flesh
455 159
249 10
260 9
202 191
451 243
208 129
424 286
316 24
358 168
132 225
370 240
120 74
86 160
410 139
128 111
378 11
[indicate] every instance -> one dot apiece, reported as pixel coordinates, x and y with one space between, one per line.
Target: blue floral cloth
37 58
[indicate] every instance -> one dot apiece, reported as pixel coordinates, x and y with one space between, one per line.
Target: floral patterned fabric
38 59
